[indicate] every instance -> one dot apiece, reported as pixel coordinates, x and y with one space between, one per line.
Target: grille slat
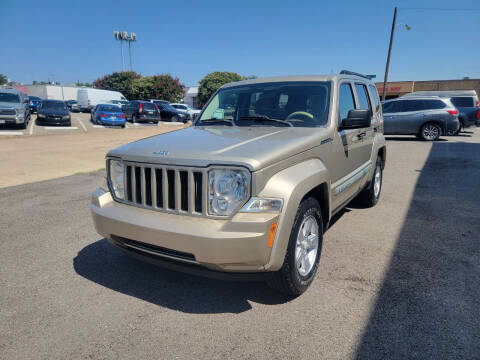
165 188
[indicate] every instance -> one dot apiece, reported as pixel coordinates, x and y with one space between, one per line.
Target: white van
88 98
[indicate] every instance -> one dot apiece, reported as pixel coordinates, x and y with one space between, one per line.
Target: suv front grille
7 112
166 188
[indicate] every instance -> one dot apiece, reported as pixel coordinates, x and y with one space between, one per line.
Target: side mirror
357 119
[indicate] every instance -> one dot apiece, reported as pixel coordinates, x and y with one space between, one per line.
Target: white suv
184 107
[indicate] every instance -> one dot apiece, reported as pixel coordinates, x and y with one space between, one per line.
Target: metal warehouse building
399 88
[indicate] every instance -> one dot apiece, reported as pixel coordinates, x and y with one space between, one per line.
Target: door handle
362 134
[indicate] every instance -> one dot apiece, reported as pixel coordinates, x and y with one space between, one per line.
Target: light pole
123 36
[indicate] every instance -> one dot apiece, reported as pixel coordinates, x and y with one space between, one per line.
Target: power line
437 9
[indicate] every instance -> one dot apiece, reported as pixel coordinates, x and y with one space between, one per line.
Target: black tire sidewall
308 207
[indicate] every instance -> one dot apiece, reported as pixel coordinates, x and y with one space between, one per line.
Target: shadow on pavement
102 263
428 305
412 138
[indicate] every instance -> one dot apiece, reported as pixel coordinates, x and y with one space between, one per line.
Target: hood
54 112
11 105
253 147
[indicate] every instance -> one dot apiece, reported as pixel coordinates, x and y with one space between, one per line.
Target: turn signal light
140 108
452 112
103 115
121 116
271 234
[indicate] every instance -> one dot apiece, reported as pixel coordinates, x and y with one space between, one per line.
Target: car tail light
478 114
477 103
140 108
121 116
103 115
156 107
453 112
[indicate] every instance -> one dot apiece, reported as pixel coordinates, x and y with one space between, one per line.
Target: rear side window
434 104
345 101
374 93
413 105
463 101
362 95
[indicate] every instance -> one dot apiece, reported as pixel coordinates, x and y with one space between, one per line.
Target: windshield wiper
216 120
263 118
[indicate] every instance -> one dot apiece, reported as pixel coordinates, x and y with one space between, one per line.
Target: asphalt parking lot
400 280
80 123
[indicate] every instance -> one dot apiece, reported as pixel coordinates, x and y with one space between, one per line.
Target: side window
463 101
392 107
362 95
376 99
346 101
413 105
434 104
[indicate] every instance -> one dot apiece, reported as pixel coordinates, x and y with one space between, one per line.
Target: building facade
399 88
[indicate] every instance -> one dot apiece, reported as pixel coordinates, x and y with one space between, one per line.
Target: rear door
403 116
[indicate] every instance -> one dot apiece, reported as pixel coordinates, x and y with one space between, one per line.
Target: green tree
166 87
3 79
212 82
119 81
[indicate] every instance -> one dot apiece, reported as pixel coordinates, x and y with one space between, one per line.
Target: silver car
427 117
14 108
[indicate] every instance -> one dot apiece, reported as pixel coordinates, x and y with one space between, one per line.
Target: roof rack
347 72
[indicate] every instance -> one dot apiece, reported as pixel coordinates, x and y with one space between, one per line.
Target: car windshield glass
149 106
9 97
300 103
50 105
109 108
463 101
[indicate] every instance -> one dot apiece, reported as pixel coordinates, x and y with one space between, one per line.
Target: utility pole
389 53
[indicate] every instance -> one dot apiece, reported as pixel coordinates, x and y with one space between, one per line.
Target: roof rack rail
347 72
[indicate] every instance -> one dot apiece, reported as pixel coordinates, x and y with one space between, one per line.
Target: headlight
263 205
20 112
228 189
66 117
115 178
40 116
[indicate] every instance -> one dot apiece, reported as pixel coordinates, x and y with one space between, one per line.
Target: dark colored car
142 111
469 111
34 103
108 114
72 105
169 113
53 112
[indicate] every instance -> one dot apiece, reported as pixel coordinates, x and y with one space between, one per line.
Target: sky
73 40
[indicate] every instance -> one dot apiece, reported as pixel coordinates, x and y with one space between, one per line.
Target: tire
294 278
370 195
69 124
430 132
123 126
134 119
174 118
24 125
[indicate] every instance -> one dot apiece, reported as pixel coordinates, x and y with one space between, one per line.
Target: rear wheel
303 253
370 195
134 119
430 132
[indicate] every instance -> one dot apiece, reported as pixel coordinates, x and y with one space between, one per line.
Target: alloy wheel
306 246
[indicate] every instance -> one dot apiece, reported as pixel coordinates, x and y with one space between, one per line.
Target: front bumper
11 120
239 244
51 121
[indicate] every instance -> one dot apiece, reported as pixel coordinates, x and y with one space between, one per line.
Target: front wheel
303 253
430 132
134 119
174 118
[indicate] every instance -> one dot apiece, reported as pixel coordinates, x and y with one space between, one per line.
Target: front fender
291 185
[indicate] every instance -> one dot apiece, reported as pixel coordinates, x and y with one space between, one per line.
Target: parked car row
430 114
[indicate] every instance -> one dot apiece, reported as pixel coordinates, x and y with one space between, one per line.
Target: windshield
50 105
9 97
302 104
109 108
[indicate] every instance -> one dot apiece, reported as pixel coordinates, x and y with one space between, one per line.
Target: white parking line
30 131
6 133
127 125
137 124
60 128
81 124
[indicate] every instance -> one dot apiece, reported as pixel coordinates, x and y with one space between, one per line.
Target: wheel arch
308 178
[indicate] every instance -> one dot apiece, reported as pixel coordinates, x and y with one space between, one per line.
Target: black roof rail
347 72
